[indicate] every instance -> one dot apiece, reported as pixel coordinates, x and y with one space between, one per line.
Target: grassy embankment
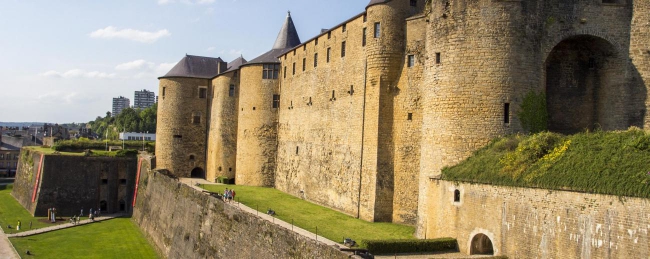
116 238
614 163
331 224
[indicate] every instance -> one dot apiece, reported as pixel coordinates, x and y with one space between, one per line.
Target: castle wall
538 223
70 183
493 53
640 55
321 120
406 124
185 223
222 137
257 128
180 141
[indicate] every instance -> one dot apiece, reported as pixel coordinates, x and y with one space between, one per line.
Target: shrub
126 153
410 246
533 114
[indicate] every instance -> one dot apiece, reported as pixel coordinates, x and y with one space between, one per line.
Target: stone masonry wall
640 54
538 223
222 137
70 183
492 53
321 119
178 138
185 223
257 128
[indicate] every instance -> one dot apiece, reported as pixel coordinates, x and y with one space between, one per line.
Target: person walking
18 225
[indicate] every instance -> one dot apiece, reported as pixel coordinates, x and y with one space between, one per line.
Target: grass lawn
331 224
116 238
11 211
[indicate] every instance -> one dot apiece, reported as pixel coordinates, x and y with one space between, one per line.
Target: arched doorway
584 86
198 173
481 245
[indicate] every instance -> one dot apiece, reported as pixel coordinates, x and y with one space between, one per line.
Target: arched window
456 195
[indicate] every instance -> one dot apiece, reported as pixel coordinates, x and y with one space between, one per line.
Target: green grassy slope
615 163
331 224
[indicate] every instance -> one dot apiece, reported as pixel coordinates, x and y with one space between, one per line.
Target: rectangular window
315 59
328 55
304 47
235 74
276 101
343 49
270 71
438 58
329 35
365 17
203 92
363 37
377 30
2 156
163 92
196 119
414 3
506 113
285 72
410 116
304 64
411 60
104 181
294 68
316 42
231 91
344 27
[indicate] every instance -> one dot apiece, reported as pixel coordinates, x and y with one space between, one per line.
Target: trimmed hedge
410 246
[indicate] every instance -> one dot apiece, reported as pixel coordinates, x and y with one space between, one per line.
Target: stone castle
363 117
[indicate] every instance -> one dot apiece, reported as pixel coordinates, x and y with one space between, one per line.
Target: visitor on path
82 211
18 225
225 195
233 195
30 225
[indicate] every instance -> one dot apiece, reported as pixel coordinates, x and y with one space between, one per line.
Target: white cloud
163 68
210 49
78 73
163 2
136 64
111 32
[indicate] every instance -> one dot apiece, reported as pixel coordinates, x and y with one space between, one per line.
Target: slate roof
288 36
195 67
287 39
235 64
374 2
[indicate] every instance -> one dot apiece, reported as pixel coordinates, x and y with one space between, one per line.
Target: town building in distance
143 99
119 104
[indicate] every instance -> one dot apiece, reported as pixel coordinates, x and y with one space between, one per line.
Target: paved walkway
62 226
7 250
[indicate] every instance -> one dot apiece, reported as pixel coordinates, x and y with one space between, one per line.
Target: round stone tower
385 33
183 113
259 100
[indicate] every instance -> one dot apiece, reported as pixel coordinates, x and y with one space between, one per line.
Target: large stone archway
481 245
198 173
585 81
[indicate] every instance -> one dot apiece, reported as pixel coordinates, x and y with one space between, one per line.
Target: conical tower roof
288 36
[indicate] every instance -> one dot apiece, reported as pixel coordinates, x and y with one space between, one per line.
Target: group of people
51 215
92 213
228 195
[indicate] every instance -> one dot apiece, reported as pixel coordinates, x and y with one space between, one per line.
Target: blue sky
64 61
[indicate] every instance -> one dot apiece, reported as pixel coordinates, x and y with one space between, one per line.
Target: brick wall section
538 223
257 128
222 137
175 110
319 144
184 223
494 52
70 183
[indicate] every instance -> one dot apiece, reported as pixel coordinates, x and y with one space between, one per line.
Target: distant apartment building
144 99
119 104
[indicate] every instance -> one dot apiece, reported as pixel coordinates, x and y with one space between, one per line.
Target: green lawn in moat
11 211
331 224
117 238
